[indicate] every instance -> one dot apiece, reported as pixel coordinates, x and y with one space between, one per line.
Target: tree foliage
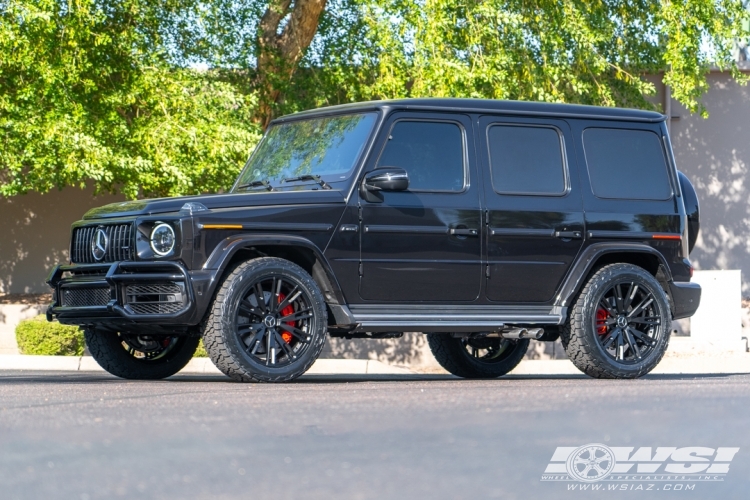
591 52
166 97
87 95
581 51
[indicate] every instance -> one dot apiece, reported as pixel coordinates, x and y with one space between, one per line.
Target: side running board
469 319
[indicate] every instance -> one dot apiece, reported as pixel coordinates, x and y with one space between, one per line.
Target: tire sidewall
236 291
591 301
452 355
107 349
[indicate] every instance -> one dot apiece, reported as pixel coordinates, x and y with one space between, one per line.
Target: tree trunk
279 53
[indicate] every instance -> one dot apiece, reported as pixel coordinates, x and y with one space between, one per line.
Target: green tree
88 94
591 52
581 51
111 93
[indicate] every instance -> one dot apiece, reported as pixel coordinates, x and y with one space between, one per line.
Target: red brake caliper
289 309
601 321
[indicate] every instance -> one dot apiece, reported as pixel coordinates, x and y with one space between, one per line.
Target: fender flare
575 279
227 248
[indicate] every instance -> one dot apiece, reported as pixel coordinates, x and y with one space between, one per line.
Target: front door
424 244
535 224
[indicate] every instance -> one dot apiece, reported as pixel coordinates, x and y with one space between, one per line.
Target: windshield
327 147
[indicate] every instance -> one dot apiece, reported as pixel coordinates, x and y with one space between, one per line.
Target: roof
489 106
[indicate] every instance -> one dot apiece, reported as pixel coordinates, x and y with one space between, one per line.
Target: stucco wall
715 155
35 232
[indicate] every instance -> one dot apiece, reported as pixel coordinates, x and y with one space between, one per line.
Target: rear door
628 187
535 222
424 244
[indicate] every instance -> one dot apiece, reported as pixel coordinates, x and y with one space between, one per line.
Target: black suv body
485 224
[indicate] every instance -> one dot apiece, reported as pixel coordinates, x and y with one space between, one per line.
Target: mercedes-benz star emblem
99 244
270 321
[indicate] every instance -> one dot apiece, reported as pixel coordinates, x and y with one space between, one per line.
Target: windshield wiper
267 185
314 178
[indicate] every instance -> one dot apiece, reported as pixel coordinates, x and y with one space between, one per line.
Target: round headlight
162 239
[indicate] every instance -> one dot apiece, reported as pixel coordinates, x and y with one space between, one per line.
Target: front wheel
619 325
140 357
268 322
476 357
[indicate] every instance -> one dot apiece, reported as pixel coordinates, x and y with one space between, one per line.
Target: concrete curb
195 366
698 365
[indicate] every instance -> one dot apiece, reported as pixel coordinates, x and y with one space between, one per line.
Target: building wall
35 231
715 154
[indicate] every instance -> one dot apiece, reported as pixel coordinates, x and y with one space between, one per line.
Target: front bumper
686 297
122 293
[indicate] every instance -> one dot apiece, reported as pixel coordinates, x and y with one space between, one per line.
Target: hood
165 205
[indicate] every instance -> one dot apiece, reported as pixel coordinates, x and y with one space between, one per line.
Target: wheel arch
296 249
602 254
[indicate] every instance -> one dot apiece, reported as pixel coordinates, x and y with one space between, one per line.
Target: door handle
574 235
464 232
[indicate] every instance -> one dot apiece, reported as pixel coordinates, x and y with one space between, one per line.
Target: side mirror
387 179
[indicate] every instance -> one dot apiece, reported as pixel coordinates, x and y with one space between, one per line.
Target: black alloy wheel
628 322
268 322
148 347
487 349
619 324
476 356
273 321
140 357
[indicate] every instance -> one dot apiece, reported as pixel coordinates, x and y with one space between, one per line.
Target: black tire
453 354
591 338
140 357
239 340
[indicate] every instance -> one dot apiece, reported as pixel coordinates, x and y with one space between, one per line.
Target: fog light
162 239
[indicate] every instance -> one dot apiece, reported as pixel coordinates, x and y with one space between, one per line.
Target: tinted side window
431 152
626 164
526 160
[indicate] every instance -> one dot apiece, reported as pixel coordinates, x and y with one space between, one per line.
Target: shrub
38 336
201 351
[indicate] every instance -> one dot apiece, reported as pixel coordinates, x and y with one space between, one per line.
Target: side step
382 318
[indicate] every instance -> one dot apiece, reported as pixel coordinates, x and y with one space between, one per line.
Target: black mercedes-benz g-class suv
483 224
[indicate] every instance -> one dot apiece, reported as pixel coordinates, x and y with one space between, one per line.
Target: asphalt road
90 436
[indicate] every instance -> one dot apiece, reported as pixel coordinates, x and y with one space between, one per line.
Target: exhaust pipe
523 333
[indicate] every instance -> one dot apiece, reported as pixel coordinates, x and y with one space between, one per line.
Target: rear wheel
619 326
476 357
268 322
140 357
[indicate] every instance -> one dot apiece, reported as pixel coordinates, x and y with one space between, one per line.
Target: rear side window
431 152
626 164
526 160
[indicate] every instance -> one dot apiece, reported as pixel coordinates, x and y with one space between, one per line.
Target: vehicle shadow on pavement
36 377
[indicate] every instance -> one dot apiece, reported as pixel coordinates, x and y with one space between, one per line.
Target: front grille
120 245
162 298
84 297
